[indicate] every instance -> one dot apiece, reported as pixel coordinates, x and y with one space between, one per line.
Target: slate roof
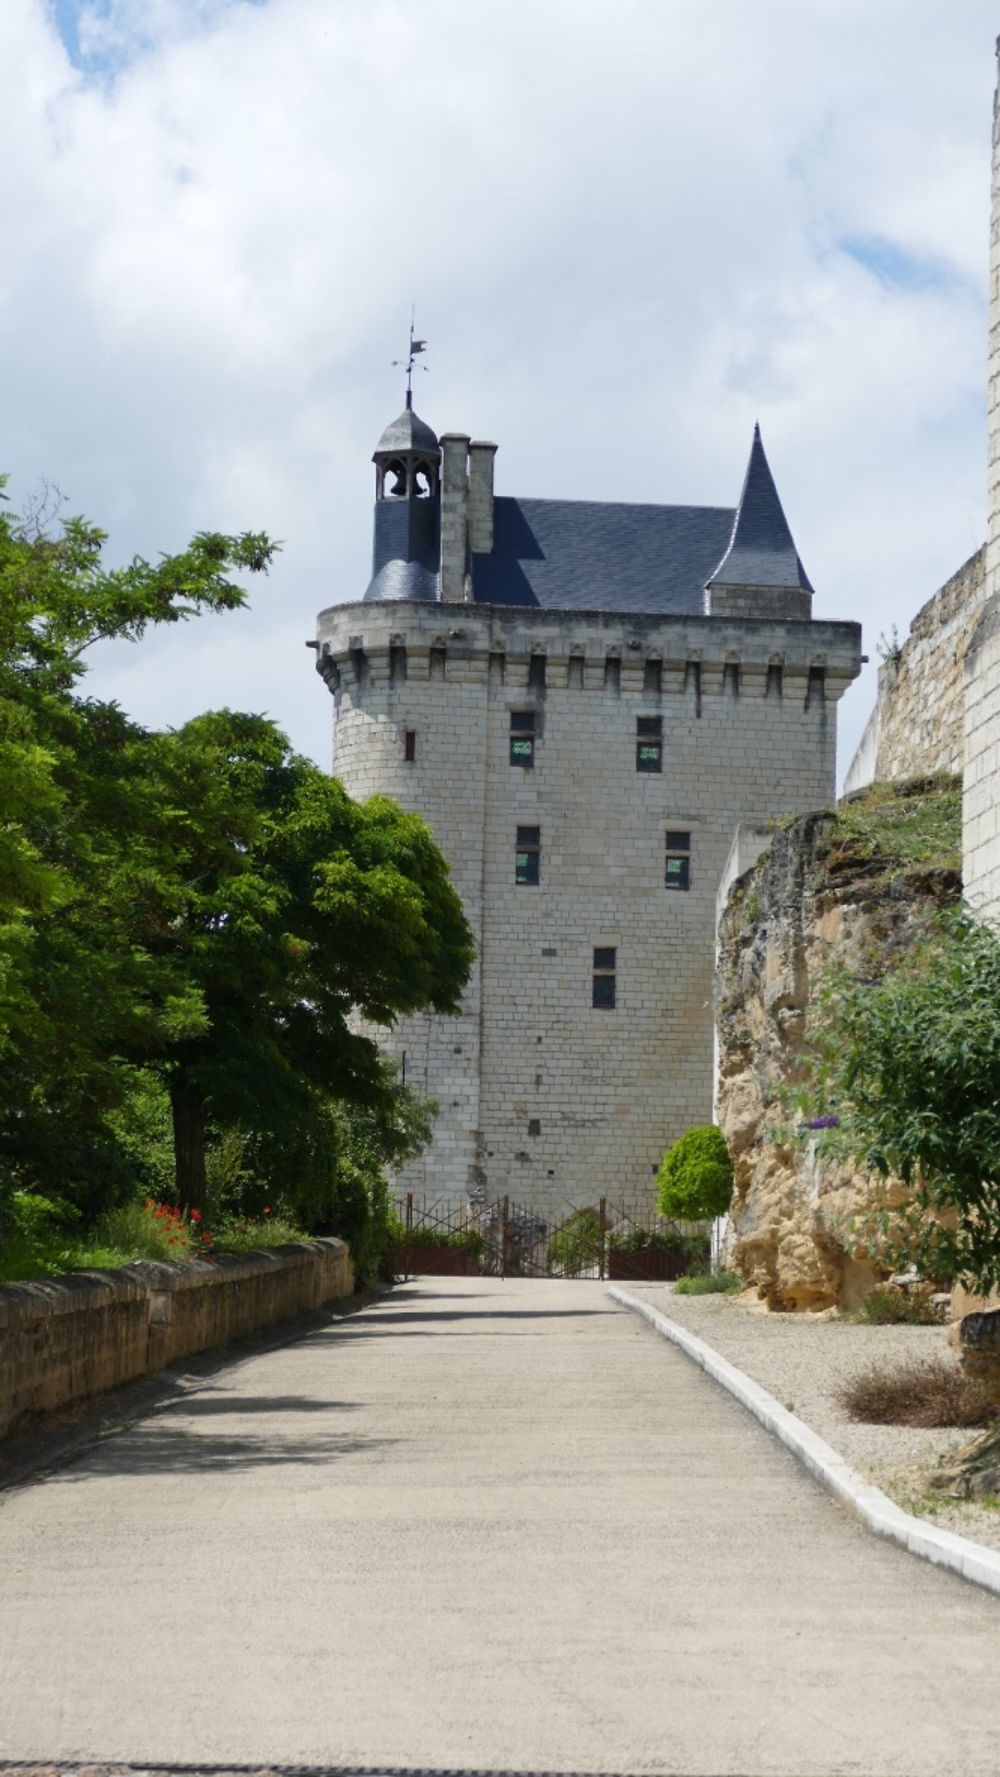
408 432
761 551
590 555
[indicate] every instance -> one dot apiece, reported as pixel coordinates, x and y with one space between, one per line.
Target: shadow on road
163 1447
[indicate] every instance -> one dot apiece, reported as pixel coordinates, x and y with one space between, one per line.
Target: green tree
275 911
74 988
203 904
906 1078
695 1179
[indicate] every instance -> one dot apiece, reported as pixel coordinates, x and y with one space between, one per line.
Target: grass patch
912 824
889 1306
709 1283
927 1392
254 1233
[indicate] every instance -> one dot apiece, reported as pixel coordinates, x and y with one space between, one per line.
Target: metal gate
620 1238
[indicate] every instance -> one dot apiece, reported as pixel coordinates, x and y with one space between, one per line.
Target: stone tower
583 699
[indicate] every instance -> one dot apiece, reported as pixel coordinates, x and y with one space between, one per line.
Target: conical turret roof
761 551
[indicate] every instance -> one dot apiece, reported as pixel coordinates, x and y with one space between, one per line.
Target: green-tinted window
527 856
522 738
678 863
649 743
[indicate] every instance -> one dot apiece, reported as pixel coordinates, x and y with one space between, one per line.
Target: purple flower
823 1123
863 983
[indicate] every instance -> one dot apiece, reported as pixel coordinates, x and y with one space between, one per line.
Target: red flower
266 1210
207 1238
196 1215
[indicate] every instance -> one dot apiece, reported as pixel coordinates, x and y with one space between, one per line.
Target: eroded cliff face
849 888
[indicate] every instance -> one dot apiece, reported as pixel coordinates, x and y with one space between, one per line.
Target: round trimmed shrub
695 1180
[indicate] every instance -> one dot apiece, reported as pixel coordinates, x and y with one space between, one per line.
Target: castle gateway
583 699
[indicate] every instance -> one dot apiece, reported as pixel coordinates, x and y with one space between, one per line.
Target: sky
629 231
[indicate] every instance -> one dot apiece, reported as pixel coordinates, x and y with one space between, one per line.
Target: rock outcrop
847 888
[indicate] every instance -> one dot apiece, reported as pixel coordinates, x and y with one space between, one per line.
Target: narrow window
527 856
692 682
536 672
438 661
775 674
410 745
397 663
652 678
649 743
678 866
522 737
612 673
574 675
731 678
603 994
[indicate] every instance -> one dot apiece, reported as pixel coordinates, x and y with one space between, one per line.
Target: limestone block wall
917 726
63 1339
981 777
543 1096
981 788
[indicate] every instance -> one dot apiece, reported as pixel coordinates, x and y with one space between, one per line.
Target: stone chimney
481 457
454 516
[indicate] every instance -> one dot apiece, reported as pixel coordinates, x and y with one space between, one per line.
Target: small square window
678 841
522 738
527 856
605 959
649 743
410 746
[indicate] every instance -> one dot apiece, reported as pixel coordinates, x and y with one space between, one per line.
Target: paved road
479 1525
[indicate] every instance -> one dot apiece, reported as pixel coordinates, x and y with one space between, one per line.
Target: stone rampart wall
917 726
63 1339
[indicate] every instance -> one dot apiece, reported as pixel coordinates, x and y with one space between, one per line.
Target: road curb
971 1561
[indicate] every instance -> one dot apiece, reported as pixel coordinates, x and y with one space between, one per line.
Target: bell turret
406 545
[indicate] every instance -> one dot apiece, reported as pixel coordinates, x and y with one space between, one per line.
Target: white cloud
625 232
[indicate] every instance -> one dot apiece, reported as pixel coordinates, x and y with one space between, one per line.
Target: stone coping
958 1554
71 1292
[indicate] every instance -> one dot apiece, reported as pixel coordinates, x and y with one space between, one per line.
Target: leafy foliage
906 1069
190 920
576 1245
696 1176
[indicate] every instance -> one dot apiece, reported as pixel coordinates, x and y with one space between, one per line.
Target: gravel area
802 1359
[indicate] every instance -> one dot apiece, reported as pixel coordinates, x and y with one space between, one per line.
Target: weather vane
416 347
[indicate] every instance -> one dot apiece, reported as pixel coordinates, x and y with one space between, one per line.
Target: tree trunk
189 1144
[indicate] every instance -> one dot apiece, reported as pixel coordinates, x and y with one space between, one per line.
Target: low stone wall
63 1339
